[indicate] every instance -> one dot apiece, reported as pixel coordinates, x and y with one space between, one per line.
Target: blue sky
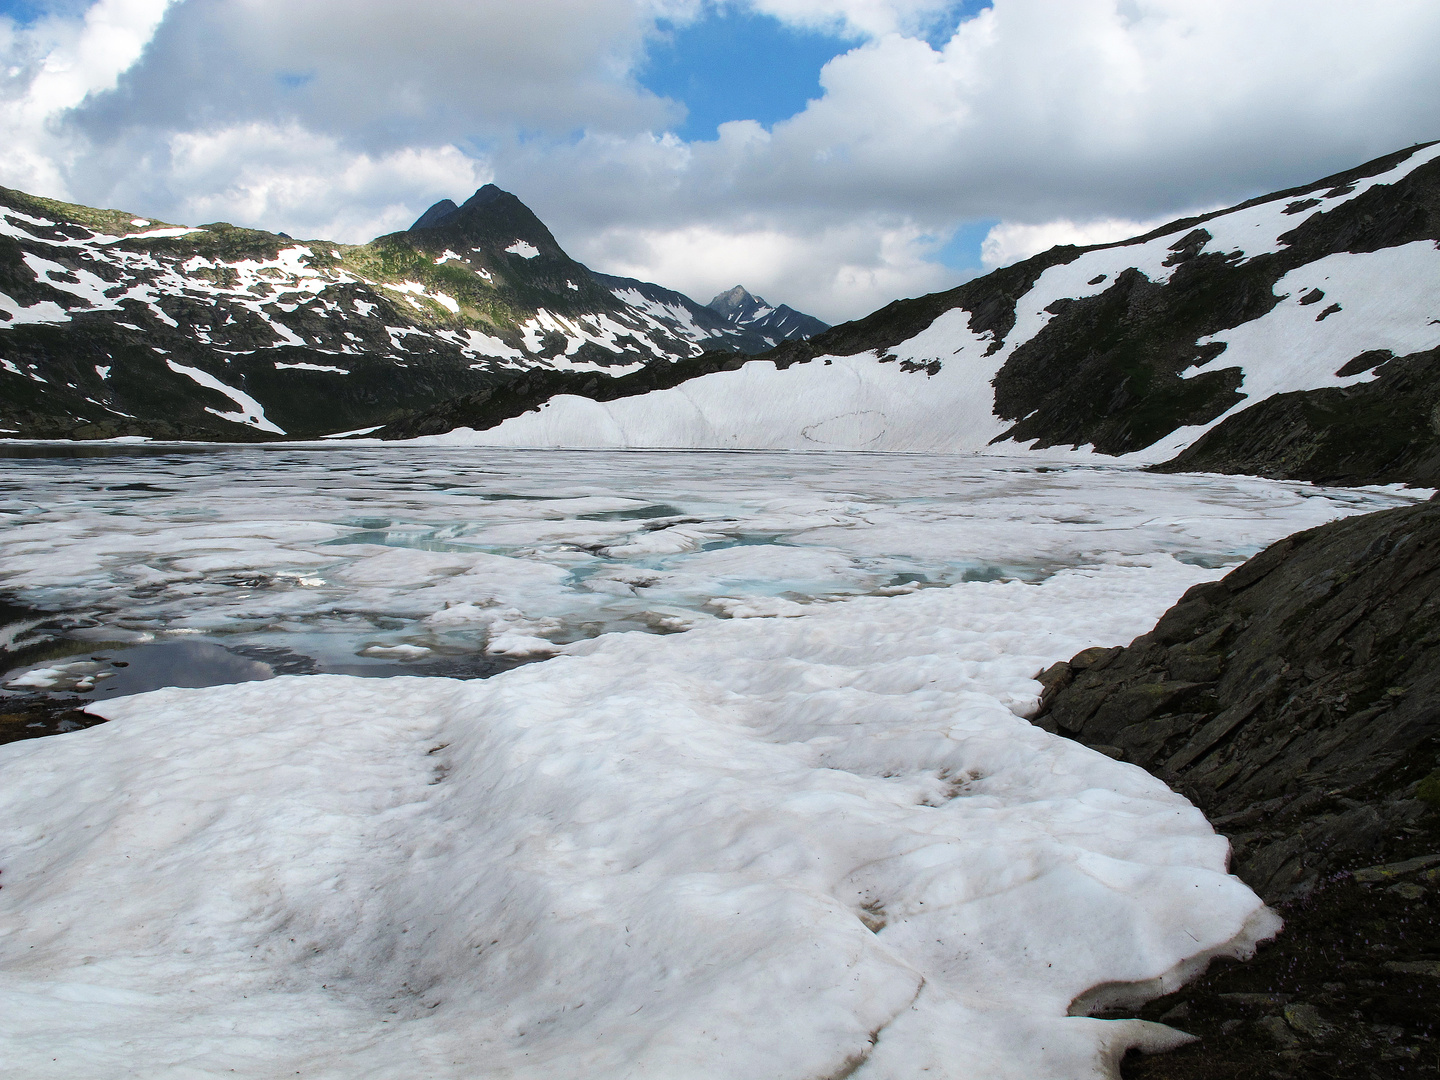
739 65
27 11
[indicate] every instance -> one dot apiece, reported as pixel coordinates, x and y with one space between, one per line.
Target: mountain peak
437 213
484 196
744 310
444 211
736 302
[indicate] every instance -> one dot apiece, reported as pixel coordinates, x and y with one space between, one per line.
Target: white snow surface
524 249
765 846
654 857
869 402
312 367
1386 300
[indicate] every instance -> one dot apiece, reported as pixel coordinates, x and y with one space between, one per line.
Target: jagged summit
439 214
490 216
743 310
736 302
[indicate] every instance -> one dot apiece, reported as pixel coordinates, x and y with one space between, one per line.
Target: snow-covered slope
112 324
658 857
1135 349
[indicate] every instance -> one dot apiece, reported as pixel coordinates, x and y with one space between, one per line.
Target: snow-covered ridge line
483 306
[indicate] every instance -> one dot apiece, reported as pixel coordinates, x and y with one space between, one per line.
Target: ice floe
325 553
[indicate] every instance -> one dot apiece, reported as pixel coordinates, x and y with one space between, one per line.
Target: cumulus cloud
831 272
258 172
386 73
55 65
864 18
1066 121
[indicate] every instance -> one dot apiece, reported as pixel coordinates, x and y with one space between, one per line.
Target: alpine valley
719 765
115 325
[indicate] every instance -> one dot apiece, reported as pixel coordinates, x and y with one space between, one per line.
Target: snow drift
797 847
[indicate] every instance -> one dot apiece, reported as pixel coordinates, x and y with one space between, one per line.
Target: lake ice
764 803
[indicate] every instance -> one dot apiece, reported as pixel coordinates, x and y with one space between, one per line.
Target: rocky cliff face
1297 702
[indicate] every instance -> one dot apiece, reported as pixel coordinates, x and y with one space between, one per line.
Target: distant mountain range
1294 335
116 325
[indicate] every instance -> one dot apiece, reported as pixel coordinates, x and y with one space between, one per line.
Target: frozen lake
794 824
208 566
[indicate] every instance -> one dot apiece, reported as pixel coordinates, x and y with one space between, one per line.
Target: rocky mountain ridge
774 323
1276 337
116 325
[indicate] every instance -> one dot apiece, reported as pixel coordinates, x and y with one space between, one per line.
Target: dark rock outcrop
1297 702
1381 432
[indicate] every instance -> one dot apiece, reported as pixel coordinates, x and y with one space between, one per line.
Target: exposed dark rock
1381 432
435 215
1297 702
1106 369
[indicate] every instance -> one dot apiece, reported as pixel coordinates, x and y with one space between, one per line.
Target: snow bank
766 847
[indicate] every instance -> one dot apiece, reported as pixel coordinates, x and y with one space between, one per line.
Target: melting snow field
809 836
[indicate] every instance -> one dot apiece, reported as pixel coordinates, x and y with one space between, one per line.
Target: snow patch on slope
803 407
251 414
1385 300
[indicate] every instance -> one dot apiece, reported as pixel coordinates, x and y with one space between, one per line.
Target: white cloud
1063 120
386 74
1010 242
832 273
866 18
1036 110
56 65
310 186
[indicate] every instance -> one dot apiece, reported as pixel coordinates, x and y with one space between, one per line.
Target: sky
829 154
